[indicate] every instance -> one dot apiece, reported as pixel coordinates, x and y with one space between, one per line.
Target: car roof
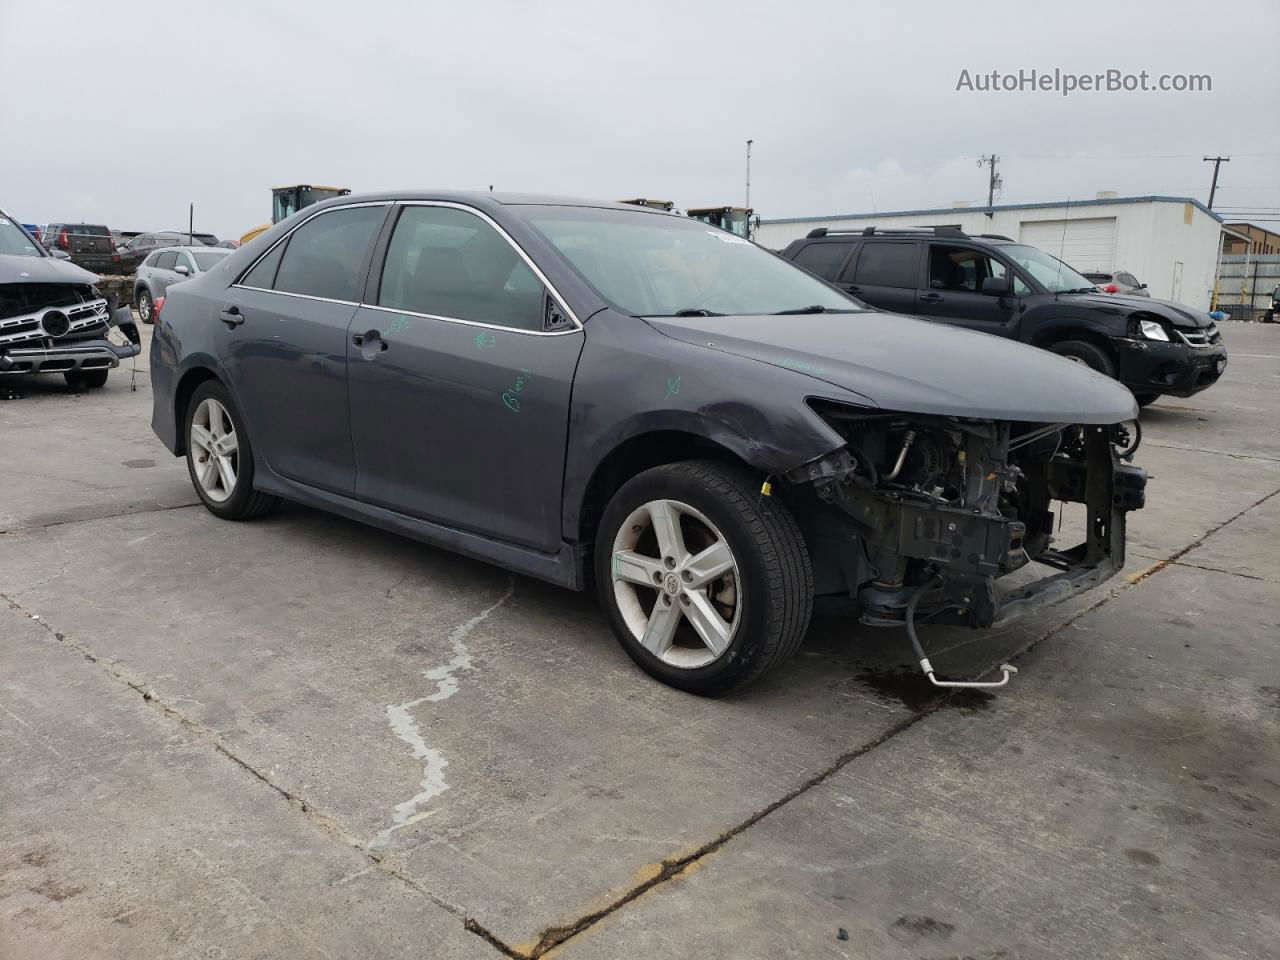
483 199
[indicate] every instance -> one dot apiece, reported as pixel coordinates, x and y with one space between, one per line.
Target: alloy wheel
677 584
214 450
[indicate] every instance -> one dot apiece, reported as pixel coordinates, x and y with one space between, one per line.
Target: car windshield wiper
815 308
696 312
1081 290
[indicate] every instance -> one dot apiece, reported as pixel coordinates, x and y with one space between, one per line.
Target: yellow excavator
286 201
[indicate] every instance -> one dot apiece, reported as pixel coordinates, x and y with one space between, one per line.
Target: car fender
633 381
1053 322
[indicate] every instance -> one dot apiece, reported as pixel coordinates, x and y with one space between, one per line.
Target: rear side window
450 263
263 274
151 260
167 261
822 258
886 265
325 256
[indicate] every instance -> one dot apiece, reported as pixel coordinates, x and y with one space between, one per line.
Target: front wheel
219 457
1091 355
706 582
1146 399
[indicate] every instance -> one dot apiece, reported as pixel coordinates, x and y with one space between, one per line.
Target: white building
1168 243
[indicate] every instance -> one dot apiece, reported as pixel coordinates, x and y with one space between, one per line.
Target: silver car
167 266
1119 281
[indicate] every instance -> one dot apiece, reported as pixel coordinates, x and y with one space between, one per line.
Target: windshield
14 240
652 265
1055 275
207 260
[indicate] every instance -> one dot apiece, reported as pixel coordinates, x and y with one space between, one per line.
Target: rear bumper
74 355
1151 366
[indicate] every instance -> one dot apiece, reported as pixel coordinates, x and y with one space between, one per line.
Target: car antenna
1062 249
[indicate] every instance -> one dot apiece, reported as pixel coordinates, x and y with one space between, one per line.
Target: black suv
993 284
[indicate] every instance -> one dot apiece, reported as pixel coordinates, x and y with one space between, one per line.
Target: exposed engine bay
928 513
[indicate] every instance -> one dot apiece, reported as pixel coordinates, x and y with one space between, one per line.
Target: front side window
886 265
167 261
207 261
450 263
649 264
822 258
325 256
961 269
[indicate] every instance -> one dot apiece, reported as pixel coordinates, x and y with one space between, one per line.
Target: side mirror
183 269
60 254
997 286
1142 286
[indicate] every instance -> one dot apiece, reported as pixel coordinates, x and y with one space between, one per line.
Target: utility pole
749 142
992 182
1217 162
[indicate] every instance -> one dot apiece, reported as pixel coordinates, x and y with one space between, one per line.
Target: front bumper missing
967 552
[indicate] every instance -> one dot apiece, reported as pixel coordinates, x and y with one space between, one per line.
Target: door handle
930 298
231 316
853 288
369 342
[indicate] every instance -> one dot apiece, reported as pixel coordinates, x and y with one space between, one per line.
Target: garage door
1087 245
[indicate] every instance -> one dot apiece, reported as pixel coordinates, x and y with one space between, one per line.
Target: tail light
63 241
156 307
1111 288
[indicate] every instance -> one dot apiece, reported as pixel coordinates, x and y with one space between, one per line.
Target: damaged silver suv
616 397
52 320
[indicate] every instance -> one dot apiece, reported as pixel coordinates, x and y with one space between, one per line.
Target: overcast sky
123 112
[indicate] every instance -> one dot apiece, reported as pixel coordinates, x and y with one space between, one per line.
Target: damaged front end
921 517
49 327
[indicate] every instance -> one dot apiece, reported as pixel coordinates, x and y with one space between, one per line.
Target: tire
86 379
1081 351
1146 399
146 306
764 598
212 411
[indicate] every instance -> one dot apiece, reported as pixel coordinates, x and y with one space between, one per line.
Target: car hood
1176 313
21 269
913 366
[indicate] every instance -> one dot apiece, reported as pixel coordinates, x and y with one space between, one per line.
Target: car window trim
548 286
379 261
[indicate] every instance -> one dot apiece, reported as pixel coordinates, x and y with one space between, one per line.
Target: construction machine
286 201
736 220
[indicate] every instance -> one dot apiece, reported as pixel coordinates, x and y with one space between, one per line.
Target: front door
956 290
459 383
283 335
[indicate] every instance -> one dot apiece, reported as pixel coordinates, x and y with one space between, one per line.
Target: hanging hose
907 440
925 665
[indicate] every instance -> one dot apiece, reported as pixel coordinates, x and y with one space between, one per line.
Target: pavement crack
1215 453
106 516
326 824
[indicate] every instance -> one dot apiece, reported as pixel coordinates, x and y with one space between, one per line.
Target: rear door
957 293
282 334
459 383
885 274
824 258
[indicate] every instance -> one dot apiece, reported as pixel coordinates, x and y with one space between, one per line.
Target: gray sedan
168 266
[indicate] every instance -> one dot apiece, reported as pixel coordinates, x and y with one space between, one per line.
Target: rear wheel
146 308
86 379
1091 355
706 582
219 457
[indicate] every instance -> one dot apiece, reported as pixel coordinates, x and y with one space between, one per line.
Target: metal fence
1246 283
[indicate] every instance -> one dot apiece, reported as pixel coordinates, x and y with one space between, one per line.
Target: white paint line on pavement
400 717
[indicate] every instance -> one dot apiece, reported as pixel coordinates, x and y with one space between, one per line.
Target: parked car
89 245
592 392
136 250
1272 313
52 320
992 284
1120 281
168 266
